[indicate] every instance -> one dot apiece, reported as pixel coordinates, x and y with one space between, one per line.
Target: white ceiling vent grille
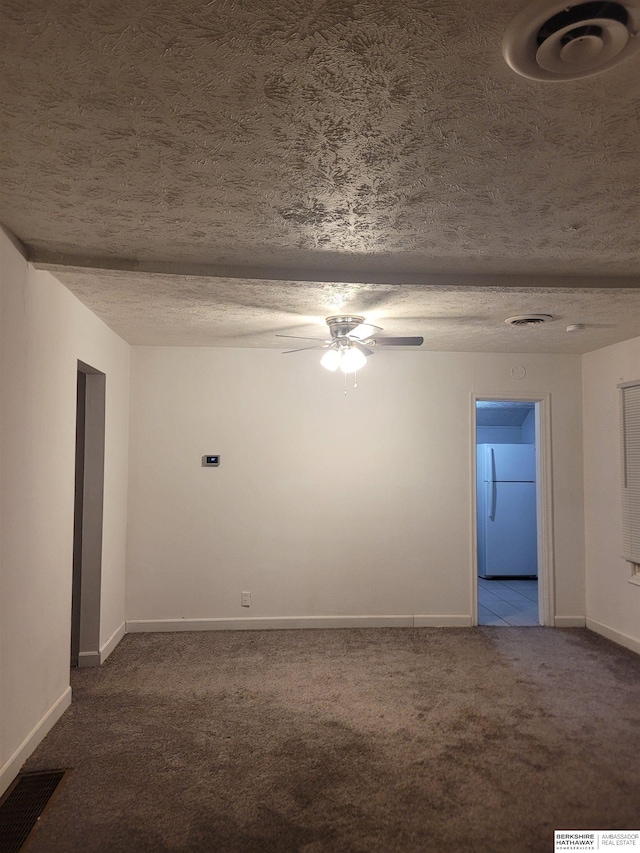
528 319
549 40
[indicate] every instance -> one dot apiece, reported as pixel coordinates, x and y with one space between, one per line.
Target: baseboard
611 634
569 621
97 658
112 642
262 623
11 768
442 622
86 659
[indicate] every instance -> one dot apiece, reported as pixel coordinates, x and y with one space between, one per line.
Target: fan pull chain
355 381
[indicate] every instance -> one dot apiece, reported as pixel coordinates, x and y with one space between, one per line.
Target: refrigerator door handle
492 485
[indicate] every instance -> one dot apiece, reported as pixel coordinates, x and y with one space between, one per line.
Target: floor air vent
23 804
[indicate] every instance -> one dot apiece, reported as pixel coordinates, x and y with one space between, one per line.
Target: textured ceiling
208 173
152 310
502 413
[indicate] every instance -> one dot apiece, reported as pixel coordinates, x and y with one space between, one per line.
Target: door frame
88 517
544 502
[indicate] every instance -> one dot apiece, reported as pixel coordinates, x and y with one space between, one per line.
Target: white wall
44 331
325 505
613 604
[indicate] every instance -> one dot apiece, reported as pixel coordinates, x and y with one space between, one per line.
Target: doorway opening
88 512
508 512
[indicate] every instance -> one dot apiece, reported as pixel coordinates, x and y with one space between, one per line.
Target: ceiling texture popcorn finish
212 173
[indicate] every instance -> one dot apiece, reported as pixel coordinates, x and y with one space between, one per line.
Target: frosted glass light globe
352 360
331 359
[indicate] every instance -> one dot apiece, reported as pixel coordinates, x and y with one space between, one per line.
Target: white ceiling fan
351 341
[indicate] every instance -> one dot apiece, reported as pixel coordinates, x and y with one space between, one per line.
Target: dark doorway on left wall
88 516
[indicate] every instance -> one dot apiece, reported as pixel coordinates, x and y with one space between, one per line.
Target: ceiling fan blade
363 349
302 349
303 338
399 342
363 331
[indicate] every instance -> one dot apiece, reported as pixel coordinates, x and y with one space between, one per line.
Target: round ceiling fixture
549 40
528 319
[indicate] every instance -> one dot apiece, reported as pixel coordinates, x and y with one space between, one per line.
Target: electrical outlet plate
245 599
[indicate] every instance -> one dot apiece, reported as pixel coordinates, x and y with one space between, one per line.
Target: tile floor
507 602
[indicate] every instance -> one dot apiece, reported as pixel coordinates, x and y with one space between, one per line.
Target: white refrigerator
507 528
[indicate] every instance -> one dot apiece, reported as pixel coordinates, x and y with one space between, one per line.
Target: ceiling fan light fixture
350 343
331 359
352 359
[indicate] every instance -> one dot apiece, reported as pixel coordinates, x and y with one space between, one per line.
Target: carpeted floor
440 740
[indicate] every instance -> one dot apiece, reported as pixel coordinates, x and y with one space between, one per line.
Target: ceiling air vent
550 40
528 319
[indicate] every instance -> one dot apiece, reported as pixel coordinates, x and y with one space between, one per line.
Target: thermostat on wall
210 461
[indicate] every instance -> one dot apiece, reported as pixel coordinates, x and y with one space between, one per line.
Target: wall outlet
245 599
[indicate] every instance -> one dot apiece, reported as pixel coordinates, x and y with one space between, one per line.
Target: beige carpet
366 740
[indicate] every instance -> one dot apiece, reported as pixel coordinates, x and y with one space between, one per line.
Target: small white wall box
210 460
